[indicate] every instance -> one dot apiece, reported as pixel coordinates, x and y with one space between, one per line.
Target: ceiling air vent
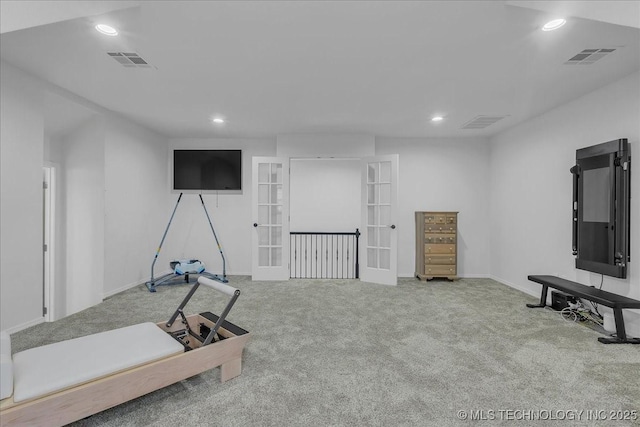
589 56
129 60
481 122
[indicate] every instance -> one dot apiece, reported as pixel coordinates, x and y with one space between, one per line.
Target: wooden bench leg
621 334
543 298
230 369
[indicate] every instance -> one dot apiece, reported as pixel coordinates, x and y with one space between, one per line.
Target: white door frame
48 241
382 225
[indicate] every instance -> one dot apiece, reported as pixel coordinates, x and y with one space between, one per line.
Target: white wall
106 219
325 194
443 175
136 182
84 164
21 154
531 190
190 235
325 145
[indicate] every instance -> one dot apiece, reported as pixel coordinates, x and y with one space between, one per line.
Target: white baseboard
25 325
464 276
132 285
515 286
121 289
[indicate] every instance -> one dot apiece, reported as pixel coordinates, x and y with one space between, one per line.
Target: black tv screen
207 170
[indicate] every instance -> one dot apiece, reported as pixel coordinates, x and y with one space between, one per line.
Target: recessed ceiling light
218 120
554 25
437 118
107 30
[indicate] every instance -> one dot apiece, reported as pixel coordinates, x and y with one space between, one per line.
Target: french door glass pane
385 237
385 172
276 215
263 236
372 217
263 257
263 214
372 258
276 172
371 194
385 215
263 193
276 193
372 172
385 193
385 259
276 257
263 172
276 236
372 236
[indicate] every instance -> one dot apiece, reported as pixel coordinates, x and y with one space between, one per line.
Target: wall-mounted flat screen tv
601 208
210 170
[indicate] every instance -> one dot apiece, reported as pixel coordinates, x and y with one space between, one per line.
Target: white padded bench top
43 370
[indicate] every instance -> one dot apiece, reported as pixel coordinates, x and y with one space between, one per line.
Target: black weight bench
608 299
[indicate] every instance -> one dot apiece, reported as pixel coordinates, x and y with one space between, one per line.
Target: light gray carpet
347 353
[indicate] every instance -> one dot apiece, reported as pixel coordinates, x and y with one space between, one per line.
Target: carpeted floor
347 353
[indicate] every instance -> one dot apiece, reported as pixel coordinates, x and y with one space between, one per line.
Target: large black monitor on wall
207 170
601 208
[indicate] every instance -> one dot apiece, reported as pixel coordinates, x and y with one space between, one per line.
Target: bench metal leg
621 335
543 299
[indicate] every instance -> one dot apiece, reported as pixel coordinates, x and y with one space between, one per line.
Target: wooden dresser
436 245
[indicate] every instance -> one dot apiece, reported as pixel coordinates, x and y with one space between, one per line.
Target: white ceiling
17 15
373 67
615 12
63 115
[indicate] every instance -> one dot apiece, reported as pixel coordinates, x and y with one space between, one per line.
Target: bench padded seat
43 370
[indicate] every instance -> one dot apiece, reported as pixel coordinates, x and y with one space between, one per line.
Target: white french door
379 257
270 201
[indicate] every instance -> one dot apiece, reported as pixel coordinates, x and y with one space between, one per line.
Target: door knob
255 224
393 227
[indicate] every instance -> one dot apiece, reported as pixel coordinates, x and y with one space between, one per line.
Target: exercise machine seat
43 370
6 366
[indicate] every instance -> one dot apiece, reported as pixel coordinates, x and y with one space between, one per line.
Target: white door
379 259
270 194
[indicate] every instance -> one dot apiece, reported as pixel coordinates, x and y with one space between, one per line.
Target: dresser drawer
439 259
435 219
440 228
438 218
440 238
440 270
439 249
